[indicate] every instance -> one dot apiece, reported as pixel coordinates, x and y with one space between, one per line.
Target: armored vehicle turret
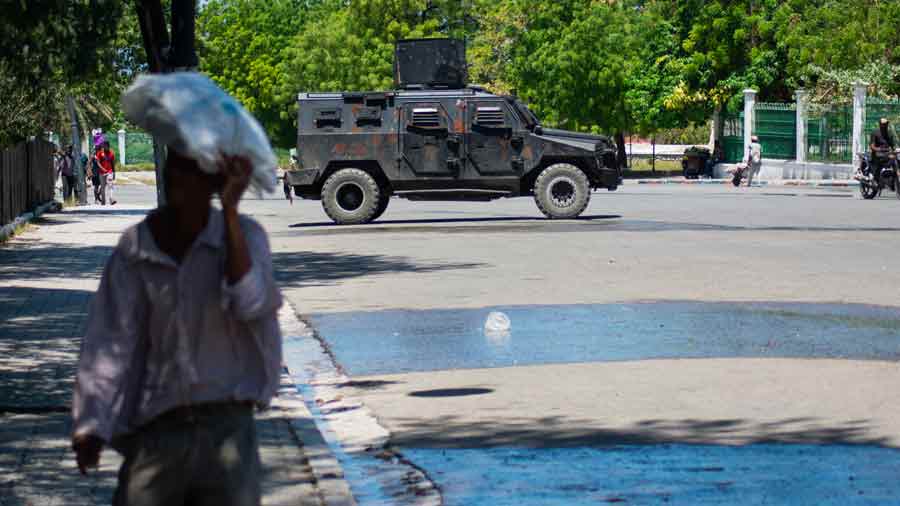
437 138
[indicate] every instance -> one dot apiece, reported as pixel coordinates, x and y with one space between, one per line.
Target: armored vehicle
434 138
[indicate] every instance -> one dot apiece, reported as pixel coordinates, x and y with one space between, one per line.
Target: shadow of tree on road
556 432
309 268
40 332
48 260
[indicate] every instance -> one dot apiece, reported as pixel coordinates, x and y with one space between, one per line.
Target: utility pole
167 55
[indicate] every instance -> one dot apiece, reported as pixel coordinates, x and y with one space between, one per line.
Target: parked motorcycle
879 173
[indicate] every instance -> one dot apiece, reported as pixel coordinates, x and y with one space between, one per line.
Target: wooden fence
26 178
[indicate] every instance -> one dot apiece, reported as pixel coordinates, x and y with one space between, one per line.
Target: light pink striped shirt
162 334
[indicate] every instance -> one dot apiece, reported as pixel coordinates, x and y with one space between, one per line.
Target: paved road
590 397
401 304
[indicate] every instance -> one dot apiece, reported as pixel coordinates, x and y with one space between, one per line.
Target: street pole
76 146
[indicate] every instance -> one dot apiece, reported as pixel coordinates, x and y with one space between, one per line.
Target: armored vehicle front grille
426 117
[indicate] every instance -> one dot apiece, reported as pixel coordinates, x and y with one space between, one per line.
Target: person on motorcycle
883 138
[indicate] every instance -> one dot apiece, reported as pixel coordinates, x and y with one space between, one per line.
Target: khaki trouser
106 189
209 460
752 170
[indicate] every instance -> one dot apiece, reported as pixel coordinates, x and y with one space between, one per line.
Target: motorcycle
879 173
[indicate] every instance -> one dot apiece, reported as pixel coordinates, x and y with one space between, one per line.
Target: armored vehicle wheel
351 196
562 191
382 206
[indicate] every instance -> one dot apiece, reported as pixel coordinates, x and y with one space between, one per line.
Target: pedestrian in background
182 342
94 174
106 160
754 159
65 169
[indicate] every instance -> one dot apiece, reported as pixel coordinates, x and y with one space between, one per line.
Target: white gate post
859 119
749 108
802 97
121 147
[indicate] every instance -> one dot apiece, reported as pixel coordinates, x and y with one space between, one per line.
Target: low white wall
791 169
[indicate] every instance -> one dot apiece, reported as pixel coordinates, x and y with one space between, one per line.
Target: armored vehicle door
425 137
494 144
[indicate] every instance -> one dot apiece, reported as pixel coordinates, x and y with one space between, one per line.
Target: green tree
47 50
242 48
349 46
831 43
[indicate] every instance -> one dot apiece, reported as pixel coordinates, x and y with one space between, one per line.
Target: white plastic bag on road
190 113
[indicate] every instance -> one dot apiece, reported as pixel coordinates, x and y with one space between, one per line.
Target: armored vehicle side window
368 116
490 117
328 118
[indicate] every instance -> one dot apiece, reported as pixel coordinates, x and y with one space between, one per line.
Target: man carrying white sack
182 344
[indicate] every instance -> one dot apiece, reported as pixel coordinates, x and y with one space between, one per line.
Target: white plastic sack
190 113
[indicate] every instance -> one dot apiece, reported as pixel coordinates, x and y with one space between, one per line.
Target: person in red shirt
106 161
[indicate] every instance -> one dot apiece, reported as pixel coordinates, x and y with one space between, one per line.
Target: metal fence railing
829 134
733 137
776 126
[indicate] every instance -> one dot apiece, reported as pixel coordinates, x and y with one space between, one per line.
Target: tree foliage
594 65
242 45
47 50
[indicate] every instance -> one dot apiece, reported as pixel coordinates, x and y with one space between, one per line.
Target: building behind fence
26 178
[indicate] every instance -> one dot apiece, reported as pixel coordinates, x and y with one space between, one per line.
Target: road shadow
47 260
432 221
611 223
39 467
40 331
557 432
106 211
309 268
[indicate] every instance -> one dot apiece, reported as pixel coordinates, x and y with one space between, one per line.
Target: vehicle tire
867 191
382 206
562 191
350 196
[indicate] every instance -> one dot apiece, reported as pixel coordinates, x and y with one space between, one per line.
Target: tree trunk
165 57
621 155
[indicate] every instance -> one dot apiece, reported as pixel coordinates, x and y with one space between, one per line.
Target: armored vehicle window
369 116
426 117
328 118
490 117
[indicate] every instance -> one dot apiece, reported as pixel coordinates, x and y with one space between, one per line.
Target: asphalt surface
619 341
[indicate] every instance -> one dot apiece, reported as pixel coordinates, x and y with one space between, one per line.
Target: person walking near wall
182 343
754 159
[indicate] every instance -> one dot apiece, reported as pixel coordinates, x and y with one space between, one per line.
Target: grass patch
643 164
136 167
24 227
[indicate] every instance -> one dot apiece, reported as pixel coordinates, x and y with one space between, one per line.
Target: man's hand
87 451
236 171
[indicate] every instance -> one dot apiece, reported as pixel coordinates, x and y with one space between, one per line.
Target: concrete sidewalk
47 277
